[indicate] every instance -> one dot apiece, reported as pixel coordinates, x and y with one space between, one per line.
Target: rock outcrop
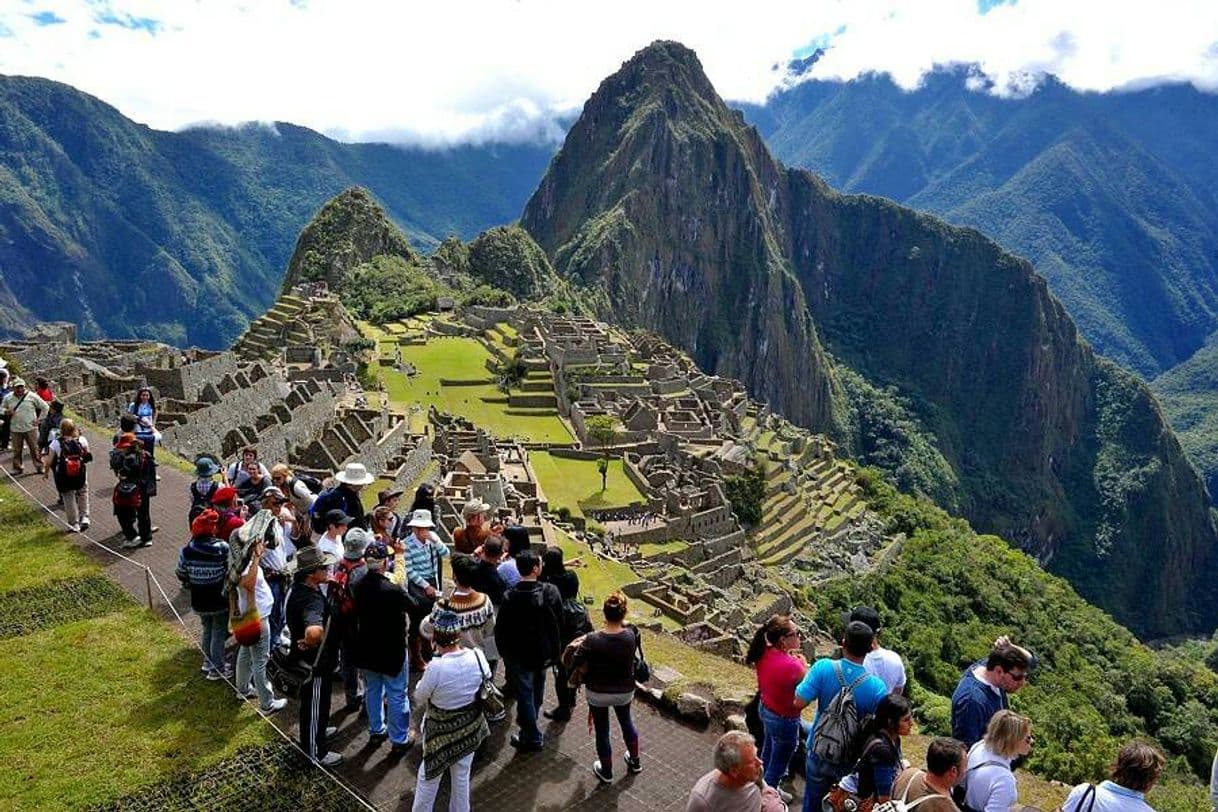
670 209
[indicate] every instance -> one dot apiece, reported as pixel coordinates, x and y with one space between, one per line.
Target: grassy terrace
464 359
99 696
576 484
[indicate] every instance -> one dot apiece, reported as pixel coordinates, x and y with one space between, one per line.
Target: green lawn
464 359
576 484
91 710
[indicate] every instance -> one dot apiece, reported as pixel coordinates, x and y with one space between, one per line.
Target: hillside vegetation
951 592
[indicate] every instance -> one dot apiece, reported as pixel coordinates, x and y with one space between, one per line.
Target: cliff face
666 204
660 202
348 231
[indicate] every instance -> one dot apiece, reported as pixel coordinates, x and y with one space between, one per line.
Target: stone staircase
284 324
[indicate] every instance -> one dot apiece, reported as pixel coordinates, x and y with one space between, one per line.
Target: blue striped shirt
421 559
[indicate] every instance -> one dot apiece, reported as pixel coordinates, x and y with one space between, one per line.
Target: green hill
670 209
184 236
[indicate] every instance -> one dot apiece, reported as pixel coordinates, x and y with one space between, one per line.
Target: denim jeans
251 662
604 748
819 778
279 590
425 790
215 632
381 690
529 687
781 739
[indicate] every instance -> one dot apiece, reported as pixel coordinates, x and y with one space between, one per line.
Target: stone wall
186 382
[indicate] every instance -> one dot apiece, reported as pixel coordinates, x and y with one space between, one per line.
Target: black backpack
127 462
311 482
575 620
326 501
199 500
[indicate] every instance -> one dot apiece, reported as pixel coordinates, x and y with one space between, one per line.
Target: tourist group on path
314 589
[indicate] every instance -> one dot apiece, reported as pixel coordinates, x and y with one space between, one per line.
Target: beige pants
20 442
76 505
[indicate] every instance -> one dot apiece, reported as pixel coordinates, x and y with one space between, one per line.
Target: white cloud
481 69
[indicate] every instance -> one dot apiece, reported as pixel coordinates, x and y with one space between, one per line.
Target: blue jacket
973 705
202 568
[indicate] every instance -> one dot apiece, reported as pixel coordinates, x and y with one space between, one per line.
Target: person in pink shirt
780 664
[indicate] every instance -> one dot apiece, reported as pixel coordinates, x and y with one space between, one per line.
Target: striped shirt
421 559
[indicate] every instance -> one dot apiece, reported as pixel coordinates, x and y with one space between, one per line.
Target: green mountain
184 236
1113 197
1188 394
670 209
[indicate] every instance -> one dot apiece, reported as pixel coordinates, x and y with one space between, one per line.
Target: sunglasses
1020 677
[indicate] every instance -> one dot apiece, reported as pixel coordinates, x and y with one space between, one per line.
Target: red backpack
340 586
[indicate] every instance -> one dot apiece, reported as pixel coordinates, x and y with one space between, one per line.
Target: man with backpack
132 495
67 458
348 572
844 693
930 790
344 496
204 487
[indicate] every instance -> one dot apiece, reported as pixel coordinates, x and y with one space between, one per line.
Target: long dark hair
424 499
888 715
136 403
551 563
767 636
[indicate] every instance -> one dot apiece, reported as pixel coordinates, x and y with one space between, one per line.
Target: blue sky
462 70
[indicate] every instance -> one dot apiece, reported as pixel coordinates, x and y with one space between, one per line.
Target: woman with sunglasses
780 664
989 784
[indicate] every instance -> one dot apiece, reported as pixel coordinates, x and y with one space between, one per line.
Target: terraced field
576 484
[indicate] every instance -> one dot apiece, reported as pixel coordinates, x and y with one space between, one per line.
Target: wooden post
148 584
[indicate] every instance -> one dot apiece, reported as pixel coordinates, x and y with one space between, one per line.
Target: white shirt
886 664
263 599
332 546
452 680
990 788
1109 797
277 558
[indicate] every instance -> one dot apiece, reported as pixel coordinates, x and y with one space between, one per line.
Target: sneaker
600 773
331 759
84 524
143 543
378 738
559 714
634 766
525 747
130 544
400 749
155 529
276 705
214 676
330 731
73 528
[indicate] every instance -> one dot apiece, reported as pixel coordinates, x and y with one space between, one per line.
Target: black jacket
380 624
527 626
487 581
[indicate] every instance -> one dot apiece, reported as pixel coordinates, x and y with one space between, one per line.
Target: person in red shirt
780 664
42 388
224 500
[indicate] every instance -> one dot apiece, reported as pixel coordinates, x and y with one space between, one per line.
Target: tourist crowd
315 589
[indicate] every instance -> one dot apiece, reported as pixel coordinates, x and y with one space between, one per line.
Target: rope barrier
150 580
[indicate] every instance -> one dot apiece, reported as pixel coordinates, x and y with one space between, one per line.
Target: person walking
776 656
379 651
527 634
989 783
24 411
132 495
825 681
202 568
454 722
880 760
1136 771
606 660
308 615
68 459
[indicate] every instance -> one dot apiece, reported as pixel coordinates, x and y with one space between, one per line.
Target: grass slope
93 709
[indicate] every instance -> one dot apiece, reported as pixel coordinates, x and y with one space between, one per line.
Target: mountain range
183 236
670 210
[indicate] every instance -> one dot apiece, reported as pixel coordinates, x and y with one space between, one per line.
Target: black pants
129 519
346 657
315 714
566 694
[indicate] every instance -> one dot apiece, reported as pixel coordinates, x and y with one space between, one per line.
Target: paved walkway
674 754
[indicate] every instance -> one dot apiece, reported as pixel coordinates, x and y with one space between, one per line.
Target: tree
746 494
601 429
602 465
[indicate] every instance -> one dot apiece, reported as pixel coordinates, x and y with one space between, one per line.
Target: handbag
642 671
489 695
287 673
246 628
840 800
